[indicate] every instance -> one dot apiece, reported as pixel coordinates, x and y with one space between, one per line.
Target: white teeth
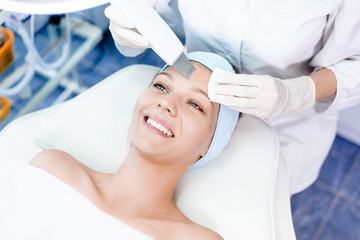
159 126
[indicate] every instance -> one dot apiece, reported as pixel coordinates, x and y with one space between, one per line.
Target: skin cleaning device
162 39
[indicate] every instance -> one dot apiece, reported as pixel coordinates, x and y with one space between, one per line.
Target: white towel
36 205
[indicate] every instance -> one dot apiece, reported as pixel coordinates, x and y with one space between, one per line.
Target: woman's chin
148 148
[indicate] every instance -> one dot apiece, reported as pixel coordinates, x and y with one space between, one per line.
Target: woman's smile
158 125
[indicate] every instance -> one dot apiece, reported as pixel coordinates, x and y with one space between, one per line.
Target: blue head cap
227 118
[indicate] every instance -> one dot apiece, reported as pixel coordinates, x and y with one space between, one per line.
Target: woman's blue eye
195 106
160 87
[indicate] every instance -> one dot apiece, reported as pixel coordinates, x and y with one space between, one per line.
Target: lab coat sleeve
169 11
341 54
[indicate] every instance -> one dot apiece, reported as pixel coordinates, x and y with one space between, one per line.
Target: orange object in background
6 48
4 107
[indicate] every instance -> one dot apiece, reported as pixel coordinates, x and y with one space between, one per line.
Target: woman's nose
167 105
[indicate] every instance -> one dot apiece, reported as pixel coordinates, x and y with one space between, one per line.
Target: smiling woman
177 106
174 126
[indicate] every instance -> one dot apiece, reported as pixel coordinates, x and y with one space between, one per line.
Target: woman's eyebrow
198 90
169 76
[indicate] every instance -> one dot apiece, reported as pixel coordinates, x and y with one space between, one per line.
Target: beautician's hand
261 95
122 29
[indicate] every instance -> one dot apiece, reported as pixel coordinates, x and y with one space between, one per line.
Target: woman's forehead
200 77
198 82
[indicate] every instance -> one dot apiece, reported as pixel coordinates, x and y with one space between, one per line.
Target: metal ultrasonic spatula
160 36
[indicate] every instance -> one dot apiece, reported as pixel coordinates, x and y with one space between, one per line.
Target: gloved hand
261 95
124 33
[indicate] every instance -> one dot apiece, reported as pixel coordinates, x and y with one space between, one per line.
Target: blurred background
329 209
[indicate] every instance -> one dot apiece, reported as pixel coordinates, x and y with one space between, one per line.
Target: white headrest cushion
233 194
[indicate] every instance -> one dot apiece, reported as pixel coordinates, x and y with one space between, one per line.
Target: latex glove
261 95
124 33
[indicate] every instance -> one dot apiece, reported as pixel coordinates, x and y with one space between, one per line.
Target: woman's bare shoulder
62 165
198 232
206 233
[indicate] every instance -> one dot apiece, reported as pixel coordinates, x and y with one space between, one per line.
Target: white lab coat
285 39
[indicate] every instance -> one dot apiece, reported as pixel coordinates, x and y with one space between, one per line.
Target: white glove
124 33
261 95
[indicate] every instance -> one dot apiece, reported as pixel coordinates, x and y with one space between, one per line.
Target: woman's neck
142 188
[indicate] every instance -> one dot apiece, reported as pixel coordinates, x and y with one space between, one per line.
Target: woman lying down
174 127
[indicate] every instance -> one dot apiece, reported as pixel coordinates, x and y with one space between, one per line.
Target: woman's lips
158 125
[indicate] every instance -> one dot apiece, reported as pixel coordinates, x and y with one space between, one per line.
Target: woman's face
173 119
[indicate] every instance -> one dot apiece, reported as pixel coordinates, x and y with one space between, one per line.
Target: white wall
349 124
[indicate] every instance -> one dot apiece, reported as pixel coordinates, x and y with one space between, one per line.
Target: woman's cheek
145 99
198 130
